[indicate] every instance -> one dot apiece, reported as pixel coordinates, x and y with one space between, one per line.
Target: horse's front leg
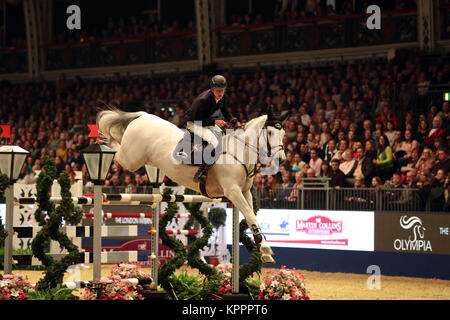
264 247
237 198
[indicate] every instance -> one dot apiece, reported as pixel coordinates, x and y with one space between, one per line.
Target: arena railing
179 46
13 60
341 31
350 199
432 95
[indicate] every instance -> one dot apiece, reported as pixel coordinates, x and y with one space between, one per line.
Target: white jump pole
9 197
155 241
97 250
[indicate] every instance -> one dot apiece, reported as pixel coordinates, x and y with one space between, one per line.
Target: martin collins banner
314 229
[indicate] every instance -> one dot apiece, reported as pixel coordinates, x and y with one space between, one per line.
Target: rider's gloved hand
220 123
235 123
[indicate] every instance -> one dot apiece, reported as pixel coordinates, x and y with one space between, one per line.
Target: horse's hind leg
241 203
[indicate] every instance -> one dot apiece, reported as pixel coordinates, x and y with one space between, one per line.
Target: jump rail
130 197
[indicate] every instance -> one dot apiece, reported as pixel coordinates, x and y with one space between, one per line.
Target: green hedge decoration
254 264
4 183
212 279
165 272
54 270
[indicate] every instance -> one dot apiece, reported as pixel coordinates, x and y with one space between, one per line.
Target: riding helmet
218 82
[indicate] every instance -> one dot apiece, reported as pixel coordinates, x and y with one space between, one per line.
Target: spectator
304 153
315 161
359 182
408 144
377 182
365 167
329 150
426 161
285 189
391 185
297 161
294 196
348 166
386 116
60 165
396 141
411 180
384 163
29 165
370 149
325 170
62 150
422 131
291 130
54 143
390 132
442 162
424 184
336 175
436 132
411 162
272 186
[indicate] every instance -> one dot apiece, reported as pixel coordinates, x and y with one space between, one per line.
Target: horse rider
198 118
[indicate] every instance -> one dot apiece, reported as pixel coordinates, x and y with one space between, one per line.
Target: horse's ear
269 113
284 116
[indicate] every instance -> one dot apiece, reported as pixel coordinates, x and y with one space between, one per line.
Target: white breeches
205 132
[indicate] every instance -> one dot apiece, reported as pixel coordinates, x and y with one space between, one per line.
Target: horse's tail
112 124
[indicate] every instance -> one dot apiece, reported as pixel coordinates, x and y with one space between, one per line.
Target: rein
252 172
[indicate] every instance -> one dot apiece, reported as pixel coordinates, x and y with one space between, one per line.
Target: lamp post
12 159
98 159
156 178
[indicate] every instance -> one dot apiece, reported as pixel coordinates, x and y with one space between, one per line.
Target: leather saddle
190 148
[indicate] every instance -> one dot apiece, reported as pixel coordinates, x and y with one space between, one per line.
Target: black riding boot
200 176
202 171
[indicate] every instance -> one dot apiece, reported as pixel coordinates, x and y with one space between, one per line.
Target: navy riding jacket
203 107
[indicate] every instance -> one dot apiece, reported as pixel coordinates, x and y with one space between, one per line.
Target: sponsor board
414 233
314 229
143 246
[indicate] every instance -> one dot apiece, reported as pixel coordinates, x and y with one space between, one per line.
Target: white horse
141 138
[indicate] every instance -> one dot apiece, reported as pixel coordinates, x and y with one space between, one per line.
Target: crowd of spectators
360 125
295 9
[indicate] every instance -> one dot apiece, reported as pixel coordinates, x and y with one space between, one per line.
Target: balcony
316 33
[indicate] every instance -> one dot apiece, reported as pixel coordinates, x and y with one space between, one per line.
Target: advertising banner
314 229
414 233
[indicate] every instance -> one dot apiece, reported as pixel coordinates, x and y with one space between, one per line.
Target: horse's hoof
267 250
266 258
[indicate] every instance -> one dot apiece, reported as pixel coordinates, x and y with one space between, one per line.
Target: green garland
188 226
4 184
171 242
212 281
254 264
54 270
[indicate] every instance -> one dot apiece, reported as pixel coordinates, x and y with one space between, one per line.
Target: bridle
277 125
271 150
